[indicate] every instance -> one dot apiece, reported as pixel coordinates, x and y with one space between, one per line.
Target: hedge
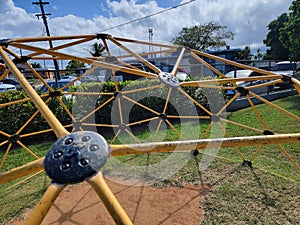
12 117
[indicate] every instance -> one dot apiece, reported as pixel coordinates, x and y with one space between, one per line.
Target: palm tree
97 49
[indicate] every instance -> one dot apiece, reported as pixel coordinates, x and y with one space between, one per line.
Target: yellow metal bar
28 150
193 100
175 130
116 136
99 107
207 129
239 65
133 137
139 58
4 134
289 157
5 155
296 84
53 38
84 60
187 145
27 122
256 153
276 106
256 112
242 125
65 108
261 85
35 133
227 136
38 102
41 210
167 100
142 121
188 117
120 110
5 74
24 180
145 42
207 65
231 80
143 89
228 103
109 200
157 130
14 102
22 171
178 61
141 105
68 45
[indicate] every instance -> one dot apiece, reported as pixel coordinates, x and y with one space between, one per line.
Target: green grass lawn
266 193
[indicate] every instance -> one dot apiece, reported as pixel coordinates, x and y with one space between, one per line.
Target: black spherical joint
76 156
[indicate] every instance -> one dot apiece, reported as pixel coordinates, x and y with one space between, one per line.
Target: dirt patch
145 205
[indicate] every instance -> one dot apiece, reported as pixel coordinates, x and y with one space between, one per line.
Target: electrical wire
148 16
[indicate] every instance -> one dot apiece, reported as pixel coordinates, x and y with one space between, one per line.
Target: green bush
138 91
14 116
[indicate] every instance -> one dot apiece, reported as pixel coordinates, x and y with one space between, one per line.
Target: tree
202 37
277 50
244 54
97 49
258 55
36 65
74 66
289 33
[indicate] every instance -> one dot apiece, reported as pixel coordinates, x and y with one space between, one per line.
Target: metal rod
187 145
41 210
22 171
109 200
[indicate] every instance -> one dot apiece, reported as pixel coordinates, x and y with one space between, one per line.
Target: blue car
61 83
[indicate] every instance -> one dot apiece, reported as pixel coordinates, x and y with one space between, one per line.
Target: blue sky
248 20
82 8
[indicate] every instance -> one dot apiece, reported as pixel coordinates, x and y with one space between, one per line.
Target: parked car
7 87
248 73
285 68
123 76
15 83
61 83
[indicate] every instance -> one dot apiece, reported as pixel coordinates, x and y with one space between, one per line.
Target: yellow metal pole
22 171
231 80
187 145
296 84
177 64
53 38
239 65
141 59
84 60
39 213
109 200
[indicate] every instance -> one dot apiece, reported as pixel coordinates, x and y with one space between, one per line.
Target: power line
148 16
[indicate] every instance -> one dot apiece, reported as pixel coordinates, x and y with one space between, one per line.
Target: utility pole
150 31
44 15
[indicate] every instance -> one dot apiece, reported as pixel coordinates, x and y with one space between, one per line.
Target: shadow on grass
245 195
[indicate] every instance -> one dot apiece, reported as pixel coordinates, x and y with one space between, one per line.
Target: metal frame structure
35 52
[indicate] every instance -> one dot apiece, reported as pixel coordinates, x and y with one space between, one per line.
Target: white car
244 74
7 87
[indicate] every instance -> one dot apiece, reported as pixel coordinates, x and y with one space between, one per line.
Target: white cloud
247 19
15 22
